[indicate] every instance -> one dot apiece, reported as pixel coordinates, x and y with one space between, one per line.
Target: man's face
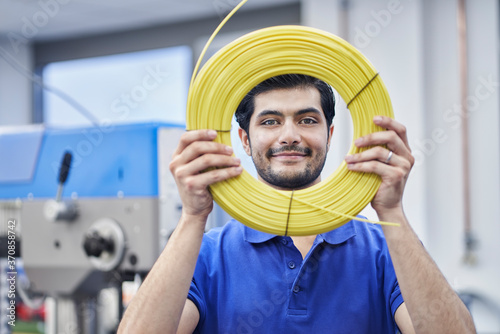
289 138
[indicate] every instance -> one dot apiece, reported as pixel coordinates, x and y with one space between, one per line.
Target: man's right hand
196 153
160 305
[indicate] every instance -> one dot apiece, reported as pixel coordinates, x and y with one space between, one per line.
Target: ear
330 134
245 141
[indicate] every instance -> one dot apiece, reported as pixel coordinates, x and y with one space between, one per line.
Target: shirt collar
255 237
339 235
334 237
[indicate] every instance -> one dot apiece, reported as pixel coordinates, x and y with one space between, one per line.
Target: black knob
65 166
94 244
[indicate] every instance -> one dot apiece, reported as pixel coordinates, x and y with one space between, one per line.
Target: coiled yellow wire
225 79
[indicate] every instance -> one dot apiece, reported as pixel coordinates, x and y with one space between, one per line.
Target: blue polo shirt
248 281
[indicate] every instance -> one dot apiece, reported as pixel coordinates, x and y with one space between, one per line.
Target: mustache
290 148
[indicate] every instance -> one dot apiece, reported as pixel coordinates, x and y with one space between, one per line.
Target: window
140 86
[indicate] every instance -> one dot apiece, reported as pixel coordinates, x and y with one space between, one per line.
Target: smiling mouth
289 152
289 155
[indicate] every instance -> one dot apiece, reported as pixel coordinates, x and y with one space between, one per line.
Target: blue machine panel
19 153
106 161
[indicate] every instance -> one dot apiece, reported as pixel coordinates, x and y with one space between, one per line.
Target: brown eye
269 122
308 121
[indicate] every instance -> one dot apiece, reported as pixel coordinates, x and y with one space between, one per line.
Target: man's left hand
393 168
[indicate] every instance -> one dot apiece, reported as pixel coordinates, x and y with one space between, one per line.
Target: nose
289 134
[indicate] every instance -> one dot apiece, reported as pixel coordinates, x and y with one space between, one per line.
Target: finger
207 161
199 148
189 137
379 154
391 124
383 170
388 138
203 180
222 174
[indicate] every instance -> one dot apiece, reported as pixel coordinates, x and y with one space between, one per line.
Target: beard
290 180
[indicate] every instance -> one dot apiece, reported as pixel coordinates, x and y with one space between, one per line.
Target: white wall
485 142
415 48
445 184
15 89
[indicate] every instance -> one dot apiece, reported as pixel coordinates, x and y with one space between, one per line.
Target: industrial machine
92 207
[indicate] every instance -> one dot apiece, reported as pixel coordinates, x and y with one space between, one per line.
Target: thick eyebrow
269 112
279 113
308 110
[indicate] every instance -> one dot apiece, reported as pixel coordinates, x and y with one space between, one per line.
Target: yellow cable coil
217 90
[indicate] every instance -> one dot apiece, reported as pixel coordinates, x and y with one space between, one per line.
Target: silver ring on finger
389 157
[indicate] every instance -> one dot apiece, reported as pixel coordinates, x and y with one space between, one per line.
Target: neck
304 244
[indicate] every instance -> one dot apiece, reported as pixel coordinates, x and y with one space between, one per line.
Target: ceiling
41 20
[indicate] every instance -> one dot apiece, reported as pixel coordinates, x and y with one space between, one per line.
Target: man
245 281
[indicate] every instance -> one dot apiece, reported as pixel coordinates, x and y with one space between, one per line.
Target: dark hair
286 81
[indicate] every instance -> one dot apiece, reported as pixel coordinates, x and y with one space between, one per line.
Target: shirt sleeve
392 292
196 297
396 299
